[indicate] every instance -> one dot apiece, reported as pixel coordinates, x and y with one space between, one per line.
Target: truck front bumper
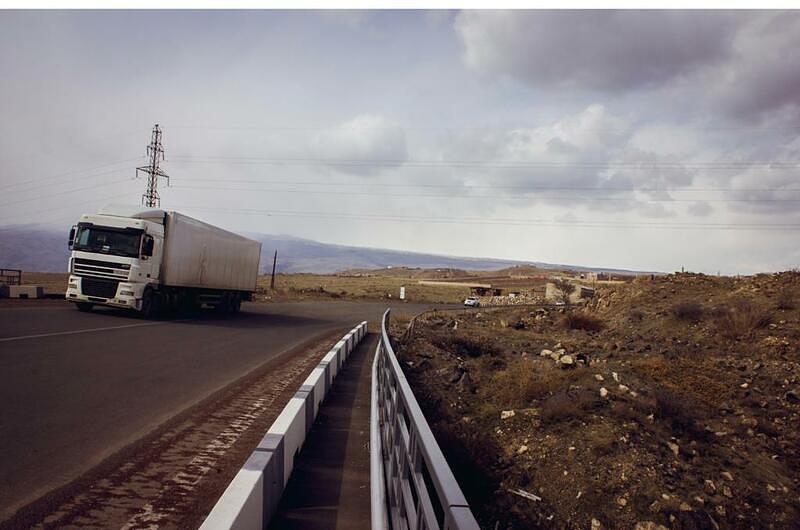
128 295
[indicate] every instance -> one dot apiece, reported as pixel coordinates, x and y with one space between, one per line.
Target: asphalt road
76 387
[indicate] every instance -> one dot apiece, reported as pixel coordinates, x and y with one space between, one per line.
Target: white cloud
364 138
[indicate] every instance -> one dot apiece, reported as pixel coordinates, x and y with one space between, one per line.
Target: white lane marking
76 331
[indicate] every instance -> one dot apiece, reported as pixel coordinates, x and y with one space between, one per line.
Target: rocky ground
671 402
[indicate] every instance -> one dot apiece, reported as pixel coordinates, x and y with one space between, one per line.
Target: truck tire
84 307
224 305
150 303
236 303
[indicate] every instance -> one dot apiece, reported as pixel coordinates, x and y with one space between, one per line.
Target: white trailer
154 260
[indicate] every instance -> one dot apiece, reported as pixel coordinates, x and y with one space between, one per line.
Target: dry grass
786 301
466 346
520 383
372 287
579 320
688 311
569 404
741 319
680 411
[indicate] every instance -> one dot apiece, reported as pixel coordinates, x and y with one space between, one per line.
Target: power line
70 205
494 164
484 197
58 176
506 128
526 187
72 190
502 221
50 185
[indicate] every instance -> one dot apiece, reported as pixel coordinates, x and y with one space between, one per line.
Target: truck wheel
224 304
150 303
236 304
84 306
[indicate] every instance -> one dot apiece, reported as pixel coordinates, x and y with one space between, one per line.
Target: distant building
581 292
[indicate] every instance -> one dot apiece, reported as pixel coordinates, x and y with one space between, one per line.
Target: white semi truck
156 260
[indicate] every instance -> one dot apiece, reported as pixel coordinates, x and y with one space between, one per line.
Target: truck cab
114 259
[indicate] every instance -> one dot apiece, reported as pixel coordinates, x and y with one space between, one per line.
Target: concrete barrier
25 291
250 500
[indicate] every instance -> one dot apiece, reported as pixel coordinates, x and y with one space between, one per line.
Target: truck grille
98 287
100 269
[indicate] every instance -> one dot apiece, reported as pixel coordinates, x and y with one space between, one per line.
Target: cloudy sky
646 140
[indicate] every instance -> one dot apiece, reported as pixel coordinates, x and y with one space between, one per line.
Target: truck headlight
126 293
72 285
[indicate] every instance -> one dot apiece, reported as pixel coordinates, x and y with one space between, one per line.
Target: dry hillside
667 403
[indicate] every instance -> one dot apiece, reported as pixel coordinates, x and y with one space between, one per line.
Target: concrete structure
251 498
25 291
580 293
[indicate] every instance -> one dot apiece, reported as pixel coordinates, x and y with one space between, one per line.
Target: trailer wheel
224 304
236 303
84 307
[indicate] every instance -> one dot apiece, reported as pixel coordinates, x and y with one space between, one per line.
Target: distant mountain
35 249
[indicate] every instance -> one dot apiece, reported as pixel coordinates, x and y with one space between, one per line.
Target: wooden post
274 262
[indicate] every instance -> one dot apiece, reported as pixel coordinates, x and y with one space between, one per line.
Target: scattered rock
675 448
522 449
649 525
623 388
596 524
727 476
615 375
546 353
504 415
567 361
684 507
727 492
599 377
603 392
622 501
710 487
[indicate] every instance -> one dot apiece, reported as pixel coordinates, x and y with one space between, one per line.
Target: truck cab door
150 262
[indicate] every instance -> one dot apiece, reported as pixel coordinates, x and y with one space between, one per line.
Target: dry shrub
786 300
569 405
741 319
636 315
682 413
584 321
688 311
520 383
465 346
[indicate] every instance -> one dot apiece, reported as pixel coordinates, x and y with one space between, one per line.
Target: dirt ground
671 402
382 284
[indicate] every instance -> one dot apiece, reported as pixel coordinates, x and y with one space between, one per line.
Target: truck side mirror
71 236
147 246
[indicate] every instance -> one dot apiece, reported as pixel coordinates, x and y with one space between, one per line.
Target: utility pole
156 153
274 262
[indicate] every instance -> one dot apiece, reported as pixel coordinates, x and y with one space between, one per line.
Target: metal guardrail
412 487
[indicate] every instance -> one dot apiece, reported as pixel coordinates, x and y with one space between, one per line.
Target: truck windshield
108 240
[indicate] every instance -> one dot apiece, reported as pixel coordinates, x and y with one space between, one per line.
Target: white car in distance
472 301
